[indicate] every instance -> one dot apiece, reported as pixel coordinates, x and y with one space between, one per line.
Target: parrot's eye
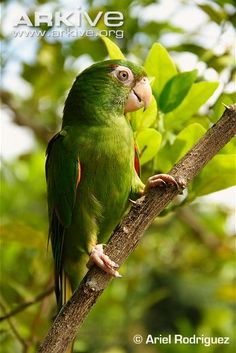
123 75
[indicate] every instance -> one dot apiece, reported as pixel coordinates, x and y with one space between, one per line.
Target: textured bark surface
128 234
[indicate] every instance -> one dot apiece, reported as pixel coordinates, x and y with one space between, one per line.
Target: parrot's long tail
66 289
66 294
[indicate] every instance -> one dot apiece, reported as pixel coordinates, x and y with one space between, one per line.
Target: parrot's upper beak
140 96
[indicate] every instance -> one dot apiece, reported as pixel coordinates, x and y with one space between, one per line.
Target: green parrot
92 169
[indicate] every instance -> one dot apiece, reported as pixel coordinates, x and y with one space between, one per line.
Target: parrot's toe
160 180
103 261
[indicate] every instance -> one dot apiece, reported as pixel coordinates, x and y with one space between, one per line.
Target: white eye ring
123 75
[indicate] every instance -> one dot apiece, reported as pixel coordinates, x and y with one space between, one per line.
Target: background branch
187 216
129 232
15 331
25 305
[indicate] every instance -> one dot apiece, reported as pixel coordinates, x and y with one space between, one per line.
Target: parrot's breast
106 155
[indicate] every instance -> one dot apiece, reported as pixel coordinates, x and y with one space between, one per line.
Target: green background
180 280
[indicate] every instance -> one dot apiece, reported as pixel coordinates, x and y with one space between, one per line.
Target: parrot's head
111 86
133 79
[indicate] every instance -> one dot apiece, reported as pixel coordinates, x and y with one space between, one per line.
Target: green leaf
219 108
148 141
175 90
218 174
143 119
170 153
113 50
163 160
185 140
159 64
198 94
230 147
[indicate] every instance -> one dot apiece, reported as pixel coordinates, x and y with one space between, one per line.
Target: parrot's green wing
62 175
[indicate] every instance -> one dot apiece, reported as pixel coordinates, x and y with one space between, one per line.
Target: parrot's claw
103 261
160 180
133 202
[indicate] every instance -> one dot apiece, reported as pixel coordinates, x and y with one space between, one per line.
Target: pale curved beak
140 96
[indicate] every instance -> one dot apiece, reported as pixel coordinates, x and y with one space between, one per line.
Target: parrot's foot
103 261
160 180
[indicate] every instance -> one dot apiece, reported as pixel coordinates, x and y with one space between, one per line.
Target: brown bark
127 236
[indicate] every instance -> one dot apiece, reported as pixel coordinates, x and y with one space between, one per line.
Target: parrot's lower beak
140 96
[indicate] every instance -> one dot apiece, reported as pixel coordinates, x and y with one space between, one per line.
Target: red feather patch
136 160
79 174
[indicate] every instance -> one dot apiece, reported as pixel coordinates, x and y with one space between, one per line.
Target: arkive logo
78 19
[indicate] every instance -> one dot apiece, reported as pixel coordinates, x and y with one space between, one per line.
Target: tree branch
25 305
128 234
14 330
188 217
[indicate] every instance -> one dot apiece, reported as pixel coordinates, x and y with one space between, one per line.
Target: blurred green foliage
181 278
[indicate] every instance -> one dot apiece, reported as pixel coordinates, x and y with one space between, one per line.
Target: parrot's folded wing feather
62 175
